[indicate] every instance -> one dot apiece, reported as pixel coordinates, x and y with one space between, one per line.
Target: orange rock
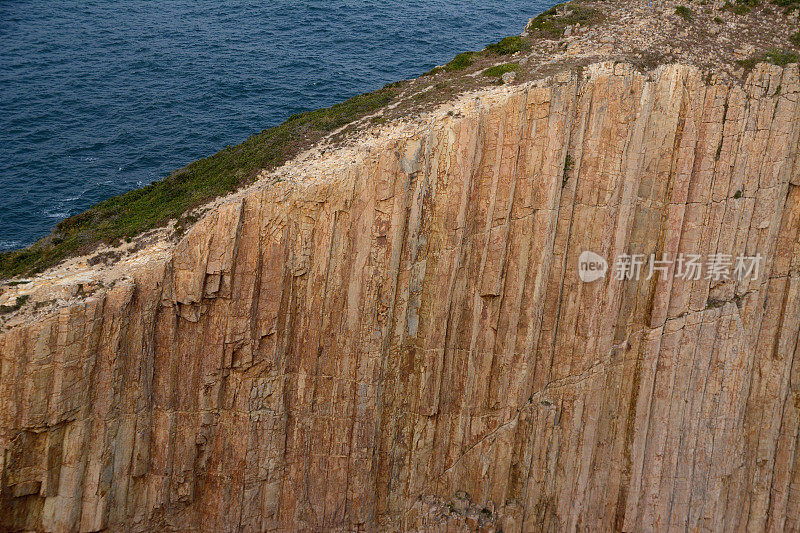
353 351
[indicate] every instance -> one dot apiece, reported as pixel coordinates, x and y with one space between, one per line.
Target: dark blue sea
99 97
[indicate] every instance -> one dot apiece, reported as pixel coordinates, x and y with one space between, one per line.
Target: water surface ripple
99 97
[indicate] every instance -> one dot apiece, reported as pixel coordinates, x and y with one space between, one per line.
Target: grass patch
506 46
795 39
464 60
780 57
460 62
124 216
19 302
685 13
497 71
775 56
553 23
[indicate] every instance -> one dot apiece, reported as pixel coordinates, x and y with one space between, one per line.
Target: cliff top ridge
95 249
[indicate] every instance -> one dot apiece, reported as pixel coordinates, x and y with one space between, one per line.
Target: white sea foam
9 245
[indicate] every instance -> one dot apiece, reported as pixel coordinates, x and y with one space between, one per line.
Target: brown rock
357 351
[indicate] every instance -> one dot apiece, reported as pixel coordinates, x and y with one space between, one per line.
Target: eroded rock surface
402 341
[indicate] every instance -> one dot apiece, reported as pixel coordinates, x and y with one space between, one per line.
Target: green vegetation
743 7
506 46
43 303
788 5
19 302
780 57
775 56
553 23
737 194
795 39
497 71
740 7
464 60
749 63
719 20
124 216
550 24
568 165
685 13
460 62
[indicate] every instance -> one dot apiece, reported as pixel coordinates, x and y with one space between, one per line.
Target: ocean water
99 97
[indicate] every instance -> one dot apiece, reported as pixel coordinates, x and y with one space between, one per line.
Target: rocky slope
397 337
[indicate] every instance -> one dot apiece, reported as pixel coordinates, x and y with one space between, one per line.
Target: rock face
407 344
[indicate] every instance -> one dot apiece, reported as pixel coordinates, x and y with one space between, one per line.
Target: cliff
395 336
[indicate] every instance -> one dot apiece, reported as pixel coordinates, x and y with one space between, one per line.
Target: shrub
506 46
749 63
497 71
789 5
460 62
568 165
552 23
685 13
780 57
740 7
19 302
773 55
